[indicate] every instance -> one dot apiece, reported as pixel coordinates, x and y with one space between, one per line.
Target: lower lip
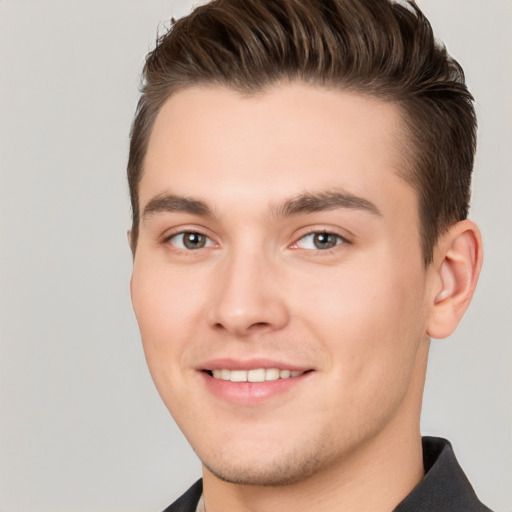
251 393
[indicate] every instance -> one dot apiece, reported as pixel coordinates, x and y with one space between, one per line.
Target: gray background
81 426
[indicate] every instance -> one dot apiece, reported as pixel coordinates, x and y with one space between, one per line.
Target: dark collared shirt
444 487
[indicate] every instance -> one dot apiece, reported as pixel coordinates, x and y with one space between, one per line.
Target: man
300 176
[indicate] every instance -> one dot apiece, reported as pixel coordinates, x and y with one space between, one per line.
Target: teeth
271 374
238 376
255 375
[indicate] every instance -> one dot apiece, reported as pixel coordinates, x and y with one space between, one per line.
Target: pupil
324 240
194 240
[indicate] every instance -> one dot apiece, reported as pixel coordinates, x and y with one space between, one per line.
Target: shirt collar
444 487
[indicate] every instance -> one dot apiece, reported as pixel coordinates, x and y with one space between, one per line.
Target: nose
248 297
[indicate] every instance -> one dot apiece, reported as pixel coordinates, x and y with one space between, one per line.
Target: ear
130 241
129 237
457 262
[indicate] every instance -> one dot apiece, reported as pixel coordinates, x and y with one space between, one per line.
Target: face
278 280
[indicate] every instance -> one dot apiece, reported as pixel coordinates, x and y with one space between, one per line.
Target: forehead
219 145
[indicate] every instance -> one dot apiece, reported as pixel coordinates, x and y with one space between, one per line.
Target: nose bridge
248 297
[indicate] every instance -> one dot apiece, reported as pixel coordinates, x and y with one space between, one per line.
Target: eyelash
168 240
340 240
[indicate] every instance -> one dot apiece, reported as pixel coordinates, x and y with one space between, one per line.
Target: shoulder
187 502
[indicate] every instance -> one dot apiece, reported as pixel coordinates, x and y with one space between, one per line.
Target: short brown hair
376 47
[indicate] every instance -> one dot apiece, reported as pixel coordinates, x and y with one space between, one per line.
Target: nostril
242 329
257 325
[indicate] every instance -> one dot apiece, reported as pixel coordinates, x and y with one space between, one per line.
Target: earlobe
457 263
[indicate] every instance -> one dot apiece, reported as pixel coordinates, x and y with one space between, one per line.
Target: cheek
367 318
162 296
164 309
369 328
165 313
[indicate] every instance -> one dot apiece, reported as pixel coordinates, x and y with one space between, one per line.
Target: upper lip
230 363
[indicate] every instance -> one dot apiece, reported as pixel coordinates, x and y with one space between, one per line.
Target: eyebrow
173 203
303 203
324 201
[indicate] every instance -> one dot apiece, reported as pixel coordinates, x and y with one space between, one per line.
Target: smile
254 375
244 383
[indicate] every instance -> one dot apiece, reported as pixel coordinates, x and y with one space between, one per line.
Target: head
381 49
299 173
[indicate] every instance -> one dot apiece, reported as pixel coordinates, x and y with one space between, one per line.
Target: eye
190 240
319 241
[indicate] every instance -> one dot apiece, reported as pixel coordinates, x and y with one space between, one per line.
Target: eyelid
209 242
317 231
182 230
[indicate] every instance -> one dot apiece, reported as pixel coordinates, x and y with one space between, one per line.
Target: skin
359 315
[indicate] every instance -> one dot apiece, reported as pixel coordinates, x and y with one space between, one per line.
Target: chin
263 476
280 470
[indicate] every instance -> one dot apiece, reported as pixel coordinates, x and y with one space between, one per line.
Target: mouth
252 383
254 375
